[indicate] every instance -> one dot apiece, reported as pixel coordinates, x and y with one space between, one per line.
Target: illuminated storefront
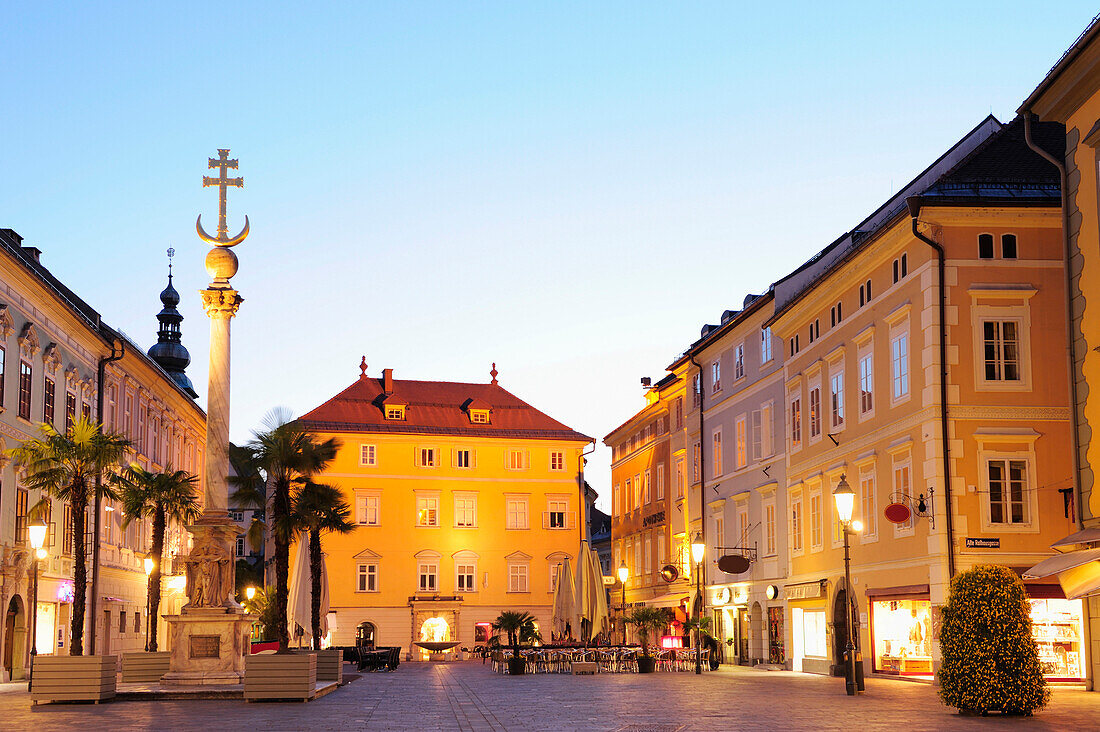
901 633
1058 627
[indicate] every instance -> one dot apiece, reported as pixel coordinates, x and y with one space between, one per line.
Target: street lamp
36 533
698 551
845 499
149 564
624 574
249 593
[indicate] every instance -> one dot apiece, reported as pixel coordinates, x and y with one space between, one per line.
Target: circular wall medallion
722 596
897 513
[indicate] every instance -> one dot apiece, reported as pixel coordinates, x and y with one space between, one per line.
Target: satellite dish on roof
734 563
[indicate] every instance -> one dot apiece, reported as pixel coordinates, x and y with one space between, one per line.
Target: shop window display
902 632
1059 632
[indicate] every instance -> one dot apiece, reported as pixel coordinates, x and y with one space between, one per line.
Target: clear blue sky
568 189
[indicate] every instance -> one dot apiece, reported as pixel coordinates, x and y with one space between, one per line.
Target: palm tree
66 466
287 454
648 620
520 627
319 507
166 497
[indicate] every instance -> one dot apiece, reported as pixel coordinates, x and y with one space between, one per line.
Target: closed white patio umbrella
564 599
299 609
600 614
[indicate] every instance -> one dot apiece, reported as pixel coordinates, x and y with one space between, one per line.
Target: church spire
168 351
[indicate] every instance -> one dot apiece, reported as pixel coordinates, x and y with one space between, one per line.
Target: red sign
897 513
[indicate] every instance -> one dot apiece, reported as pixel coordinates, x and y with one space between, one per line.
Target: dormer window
477 410
479 416
395 412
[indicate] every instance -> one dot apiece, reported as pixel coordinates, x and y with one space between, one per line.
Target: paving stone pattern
468 697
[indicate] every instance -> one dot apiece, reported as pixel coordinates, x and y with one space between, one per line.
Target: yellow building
648 482
465 498
941 483
1069 96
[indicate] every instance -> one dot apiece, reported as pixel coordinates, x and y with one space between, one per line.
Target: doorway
15 638
840 632
744 631
364 635
106 632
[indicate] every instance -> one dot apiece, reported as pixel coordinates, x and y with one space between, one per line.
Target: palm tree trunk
315 585
280 513
159 522
79 503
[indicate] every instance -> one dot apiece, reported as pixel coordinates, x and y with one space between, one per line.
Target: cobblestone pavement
468 696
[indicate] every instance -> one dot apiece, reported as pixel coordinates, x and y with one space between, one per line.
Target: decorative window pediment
427 554
367 554
29 344
518 557
465 554
51 358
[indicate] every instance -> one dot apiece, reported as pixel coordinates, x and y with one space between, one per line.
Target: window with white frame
836 398
796 522
719 537
660 481
636 570
427 510
366 574
696 390
616 501
465 572
465 510
647 488
637 498
716 453
739 361
647 558
516 512
628 496
479 416
765 345
741 439
368 456
516 459
557 460
762 432
464 458
716 376
662 558
557 513
240 546
899 365
867 503
796 423
815 521
815 412
428 575
769 527
428 457
866 384
1008 485
368 510
679 477
395 412
695 460
1001 350
517 577
742 525
903 485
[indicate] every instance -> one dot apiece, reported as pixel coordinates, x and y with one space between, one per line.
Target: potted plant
647 620
520 627
990 659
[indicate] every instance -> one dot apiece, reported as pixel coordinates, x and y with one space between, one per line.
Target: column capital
220 302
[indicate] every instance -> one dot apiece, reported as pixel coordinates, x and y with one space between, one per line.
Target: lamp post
698 552
149 564
249 593
36 533
624 574
845 499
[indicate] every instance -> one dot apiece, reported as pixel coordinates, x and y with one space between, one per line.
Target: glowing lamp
249 592
149 564
845 499
41 554
37 534
698 548
624 572
857 526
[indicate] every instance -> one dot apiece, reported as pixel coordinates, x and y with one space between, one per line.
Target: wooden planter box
330 664
74 678
143 667
280 676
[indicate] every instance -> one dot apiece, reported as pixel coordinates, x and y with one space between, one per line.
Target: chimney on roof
387 381
33 252
646 382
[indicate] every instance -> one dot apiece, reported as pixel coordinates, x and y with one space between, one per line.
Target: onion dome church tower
168 352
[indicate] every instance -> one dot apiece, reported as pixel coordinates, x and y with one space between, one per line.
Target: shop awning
672 599
1084 536
1078 572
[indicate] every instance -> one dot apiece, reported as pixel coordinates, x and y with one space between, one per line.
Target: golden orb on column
221 263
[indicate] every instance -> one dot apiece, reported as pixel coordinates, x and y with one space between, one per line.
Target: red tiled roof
435 407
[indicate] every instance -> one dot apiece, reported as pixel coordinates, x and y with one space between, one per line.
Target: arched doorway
841 618
15 638
364 634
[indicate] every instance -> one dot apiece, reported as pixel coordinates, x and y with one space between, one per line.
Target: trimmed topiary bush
990 660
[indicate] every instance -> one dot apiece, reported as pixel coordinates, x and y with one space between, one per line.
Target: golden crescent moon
220 242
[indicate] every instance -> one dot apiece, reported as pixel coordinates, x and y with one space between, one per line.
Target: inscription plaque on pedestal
205 646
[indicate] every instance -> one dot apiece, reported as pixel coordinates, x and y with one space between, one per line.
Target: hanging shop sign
733 563
983 542
771 592
897 513
669 573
